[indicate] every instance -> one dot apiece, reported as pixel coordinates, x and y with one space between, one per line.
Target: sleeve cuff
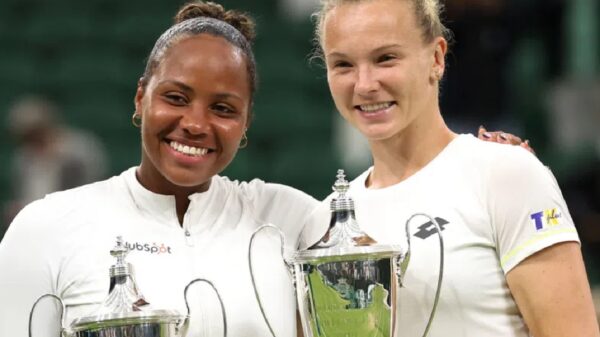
536 244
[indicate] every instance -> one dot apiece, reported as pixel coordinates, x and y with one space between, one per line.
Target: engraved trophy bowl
347 284
348 292
125 312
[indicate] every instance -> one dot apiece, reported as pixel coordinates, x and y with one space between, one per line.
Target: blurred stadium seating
88 56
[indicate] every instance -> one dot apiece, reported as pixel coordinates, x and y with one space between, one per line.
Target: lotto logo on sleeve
546 219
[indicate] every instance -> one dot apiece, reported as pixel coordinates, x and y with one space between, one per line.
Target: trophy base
133 330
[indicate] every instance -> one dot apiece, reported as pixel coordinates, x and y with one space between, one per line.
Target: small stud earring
438 75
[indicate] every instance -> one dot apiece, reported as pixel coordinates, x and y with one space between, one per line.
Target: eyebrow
376 50
388 46
227 95
181 85
188 89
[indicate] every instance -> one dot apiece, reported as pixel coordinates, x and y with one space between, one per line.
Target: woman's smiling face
382 73
194 112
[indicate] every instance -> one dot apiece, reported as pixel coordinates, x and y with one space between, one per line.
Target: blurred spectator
573 102
298 10
575 116
49 156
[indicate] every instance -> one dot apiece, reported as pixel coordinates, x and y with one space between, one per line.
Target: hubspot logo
153 248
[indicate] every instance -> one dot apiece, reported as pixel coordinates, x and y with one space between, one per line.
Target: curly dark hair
200 17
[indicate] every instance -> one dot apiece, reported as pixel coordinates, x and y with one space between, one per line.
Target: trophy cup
347 284
125 312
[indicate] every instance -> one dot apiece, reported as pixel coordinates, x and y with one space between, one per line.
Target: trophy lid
124 304
344 239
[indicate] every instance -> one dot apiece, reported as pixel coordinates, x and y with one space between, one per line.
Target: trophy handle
403 265
218 296
62 312
288 265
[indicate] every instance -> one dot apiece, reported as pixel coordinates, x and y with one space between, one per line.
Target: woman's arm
552 292
25 272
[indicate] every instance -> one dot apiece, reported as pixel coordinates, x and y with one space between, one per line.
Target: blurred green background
88 55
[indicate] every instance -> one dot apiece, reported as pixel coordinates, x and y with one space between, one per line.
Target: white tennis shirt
61 245
497 205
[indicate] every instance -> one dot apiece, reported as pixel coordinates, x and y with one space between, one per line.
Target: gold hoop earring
244 141
136 119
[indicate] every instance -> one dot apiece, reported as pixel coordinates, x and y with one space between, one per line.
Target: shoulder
259 190
470 147
58 207
496 161
88 195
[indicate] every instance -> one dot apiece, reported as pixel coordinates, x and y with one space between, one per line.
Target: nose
195 122
366 81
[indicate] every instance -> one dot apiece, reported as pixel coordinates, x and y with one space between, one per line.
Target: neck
182 202
401 156
160 185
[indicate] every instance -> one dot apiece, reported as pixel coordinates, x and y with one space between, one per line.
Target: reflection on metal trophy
125 312
346 284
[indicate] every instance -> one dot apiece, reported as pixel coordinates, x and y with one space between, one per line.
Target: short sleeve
282 206
26 267
316 225
528 212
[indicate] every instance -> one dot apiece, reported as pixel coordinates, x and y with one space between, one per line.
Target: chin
187 179
376 133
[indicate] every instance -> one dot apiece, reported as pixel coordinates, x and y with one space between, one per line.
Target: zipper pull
189 240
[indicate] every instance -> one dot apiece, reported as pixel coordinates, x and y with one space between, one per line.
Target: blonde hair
427 12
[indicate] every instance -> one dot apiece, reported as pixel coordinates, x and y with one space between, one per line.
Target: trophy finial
341 201
341 185
119 251
343 229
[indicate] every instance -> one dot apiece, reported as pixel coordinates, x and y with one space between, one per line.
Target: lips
375 112
188 152
374 107
192 151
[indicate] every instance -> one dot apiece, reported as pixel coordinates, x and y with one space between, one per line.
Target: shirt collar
161 208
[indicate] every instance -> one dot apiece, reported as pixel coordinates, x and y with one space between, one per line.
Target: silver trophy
347 284
125 312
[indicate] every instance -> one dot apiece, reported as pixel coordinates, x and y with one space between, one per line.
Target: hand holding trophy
347 284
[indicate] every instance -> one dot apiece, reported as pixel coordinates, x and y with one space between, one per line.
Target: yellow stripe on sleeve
533 240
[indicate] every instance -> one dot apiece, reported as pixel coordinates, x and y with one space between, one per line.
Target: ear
439 58
249 119
139 95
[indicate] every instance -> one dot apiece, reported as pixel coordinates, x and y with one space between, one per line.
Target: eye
342 64
176 99
223 109
386 58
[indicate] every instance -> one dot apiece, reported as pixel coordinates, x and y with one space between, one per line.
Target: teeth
189 150
375 107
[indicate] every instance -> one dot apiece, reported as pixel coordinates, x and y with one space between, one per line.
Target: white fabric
61 245
491 196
